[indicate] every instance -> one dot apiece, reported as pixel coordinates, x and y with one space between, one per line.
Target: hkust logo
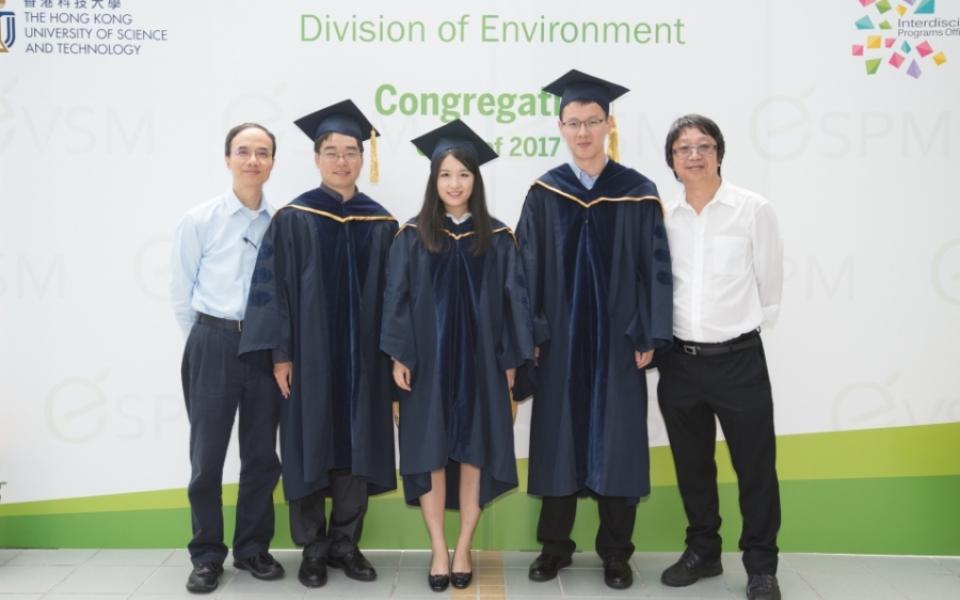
8 28
903 35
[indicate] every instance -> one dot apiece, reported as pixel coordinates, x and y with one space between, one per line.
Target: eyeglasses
701 150
576 124
245 153
349 156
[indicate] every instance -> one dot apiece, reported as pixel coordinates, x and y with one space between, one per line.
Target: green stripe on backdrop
808 464
893 515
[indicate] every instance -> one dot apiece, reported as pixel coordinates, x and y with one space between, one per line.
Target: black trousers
215 385
308 523
694 392
617 517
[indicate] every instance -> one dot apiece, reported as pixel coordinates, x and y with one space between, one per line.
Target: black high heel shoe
439 583
460 580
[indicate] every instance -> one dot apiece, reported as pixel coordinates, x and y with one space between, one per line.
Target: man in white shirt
214 253
727 278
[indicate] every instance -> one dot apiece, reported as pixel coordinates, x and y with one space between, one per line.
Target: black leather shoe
763 587
313 572
461 580
689 569
355 566
204 578
438 583
546 566
261 566
617 573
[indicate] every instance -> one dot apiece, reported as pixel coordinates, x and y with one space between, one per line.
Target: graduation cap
576 86
580 87
455 134
345 118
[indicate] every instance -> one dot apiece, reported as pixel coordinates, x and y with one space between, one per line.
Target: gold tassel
613 146
374 160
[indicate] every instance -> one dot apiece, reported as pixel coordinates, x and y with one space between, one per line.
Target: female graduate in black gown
457 323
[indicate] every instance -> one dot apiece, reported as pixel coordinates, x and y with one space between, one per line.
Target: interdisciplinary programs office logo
8 28
906 35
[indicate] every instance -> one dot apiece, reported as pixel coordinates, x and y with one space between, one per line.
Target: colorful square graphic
890 39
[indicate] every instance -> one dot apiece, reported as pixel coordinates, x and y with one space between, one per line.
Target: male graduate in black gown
596 255
314 310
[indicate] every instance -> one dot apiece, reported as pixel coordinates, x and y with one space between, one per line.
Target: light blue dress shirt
214 251
585 179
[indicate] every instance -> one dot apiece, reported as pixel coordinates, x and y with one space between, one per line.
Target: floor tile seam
143 582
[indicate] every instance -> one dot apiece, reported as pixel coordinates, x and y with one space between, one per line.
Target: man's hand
642 358
401 376
511 377
283 373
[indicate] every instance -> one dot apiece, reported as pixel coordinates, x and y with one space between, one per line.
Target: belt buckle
690 349
240 326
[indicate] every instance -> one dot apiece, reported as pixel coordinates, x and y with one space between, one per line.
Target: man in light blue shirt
586 179
214 252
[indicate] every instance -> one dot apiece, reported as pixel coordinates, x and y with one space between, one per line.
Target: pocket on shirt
731 254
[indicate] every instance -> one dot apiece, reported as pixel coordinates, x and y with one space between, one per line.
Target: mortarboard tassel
374 160
613 145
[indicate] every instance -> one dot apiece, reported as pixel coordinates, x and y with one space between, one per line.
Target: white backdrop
101 154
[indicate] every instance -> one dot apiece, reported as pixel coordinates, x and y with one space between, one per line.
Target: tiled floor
160 574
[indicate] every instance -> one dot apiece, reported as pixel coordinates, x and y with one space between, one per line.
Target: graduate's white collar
461 220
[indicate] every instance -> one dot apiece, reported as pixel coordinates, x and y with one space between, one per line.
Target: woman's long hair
430 219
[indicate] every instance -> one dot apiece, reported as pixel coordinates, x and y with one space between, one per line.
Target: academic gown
457 321
316 296
600 286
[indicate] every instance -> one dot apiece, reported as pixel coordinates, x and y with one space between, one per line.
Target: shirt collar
233 204
338 195
580 173
461 220
723 195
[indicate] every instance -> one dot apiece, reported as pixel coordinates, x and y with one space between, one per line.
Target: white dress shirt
214 252
727 265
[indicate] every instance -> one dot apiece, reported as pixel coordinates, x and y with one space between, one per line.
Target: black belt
220 323
747 340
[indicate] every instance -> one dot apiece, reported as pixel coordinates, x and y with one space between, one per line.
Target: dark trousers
696 391
215 385
308 523
617 517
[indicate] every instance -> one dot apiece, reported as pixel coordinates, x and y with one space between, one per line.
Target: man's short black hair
700 123
234 131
